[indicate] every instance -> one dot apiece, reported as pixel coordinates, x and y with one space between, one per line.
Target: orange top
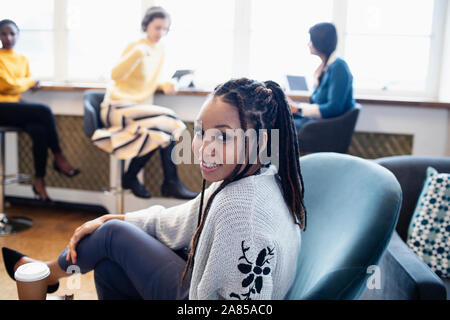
15 76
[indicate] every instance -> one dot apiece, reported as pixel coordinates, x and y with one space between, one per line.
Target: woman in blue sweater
333 94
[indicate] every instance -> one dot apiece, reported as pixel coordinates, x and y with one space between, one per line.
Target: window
201 38
388 52
97 33
392 47
279 37
388 44
35 20
222 39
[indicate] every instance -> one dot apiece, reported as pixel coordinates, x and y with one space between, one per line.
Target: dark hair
153 13
265 106
324 39
7 21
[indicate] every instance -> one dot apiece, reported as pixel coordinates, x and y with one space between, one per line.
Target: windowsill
363 99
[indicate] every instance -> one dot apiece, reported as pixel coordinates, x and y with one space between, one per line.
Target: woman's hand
292 105
81 232
84 230
168 87
294 109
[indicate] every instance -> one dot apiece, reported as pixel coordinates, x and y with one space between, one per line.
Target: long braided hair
264 106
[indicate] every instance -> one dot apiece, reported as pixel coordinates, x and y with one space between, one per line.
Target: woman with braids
243 232
333 94
34 118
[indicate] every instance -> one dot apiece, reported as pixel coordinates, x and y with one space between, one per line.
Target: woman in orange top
35 119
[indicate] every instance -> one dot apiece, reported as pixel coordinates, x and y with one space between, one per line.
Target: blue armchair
404 275
352 207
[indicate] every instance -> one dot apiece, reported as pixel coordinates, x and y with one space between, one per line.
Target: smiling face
217 139
157 28
8 36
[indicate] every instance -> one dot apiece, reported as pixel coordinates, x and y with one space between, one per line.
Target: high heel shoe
10 259
71 174
46 200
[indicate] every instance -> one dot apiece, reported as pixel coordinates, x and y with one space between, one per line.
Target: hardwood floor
49 235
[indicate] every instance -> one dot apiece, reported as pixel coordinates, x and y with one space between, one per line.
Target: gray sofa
403 274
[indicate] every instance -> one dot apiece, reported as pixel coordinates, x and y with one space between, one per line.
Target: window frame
241 45
435 59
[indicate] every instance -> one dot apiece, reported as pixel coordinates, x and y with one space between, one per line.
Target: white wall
448 135
429 126
444 90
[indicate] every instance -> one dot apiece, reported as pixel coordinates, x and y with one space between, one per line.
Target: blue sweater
334 95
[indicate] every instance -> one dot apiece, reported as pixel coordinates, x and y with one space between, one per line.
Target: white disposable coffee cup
31 280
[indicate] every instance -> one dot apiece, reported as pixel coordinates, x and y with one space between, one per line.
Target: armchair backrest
329 135
91 101
352 207
410 172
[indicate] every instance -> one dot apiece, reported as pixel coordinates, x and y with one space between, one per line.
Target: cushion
429 230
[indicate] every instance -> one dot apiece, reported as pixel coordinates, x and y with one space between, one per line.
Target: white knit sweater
249 245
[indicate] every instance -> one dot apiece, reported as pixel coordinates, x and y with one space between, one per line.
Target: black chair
329 135
9 225
92 121
92 100
403 274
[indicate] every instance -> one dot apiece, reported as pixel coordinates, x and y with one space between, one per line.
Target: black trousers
129 264
38 121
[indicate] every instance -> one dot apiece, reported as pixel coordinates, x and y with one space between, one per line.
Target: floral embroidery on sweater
254 271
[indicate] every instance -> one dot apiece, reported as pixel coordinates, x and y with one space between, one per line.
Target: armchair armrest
405 277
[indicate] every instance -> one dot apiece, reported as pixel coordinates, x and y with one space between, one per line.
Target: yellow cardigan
135 77
15 76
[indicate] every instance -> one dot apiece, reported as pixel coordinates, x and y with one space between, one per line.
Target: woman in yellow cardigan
134 127
35 119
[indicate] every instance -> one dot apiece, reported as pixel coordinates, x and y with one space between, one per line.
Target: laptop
184 79
296 83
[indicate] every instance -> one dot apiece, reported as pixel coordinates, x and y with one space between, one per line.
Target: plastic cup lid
33 271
